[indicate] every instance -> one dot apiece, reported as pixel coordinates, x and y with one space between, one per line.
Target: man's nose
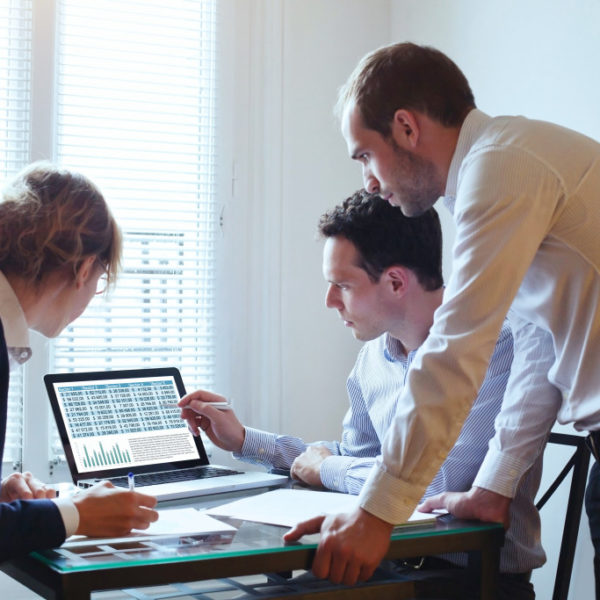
331 297
370 182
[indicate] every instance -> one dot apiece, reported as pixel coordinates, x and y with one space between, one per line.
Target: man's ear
405 128
397 277
85 271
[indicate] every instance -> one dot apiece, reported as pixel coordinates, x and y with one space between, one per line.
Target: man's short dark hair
411 77
384 237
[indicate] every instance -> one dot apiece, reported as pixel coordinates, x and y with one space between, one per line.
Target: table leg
484 564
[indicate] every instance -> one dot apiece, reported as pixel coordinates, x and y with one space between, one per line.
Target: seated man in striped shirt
384 279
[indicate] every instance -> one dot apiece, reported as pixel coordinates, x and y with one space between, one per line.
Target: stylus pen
131 480
220 405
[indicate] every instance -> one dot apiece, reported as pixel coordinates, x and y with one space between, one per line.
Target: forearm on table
270 449
345 474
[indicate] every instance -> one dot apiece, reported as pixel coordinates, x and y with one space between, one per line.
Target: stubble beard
417 185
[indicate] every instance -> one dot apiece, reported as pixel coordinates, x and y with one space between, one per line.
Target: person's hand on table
221 426
352 545
307 466
477 503
24 486
106 511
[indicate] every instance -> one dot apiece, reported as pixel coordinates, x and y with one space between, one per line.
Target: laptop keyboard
171 476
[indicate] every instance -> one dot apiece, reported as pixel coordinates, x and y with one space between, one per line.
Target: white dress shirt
526 198
16 334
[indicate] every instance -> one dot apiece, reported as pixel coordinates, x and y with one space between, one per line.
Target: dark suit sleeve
27 525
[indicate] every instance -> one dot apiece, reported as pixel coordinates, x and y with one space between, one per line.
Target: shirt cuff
69 513
333 472
500 473
391 499
259 446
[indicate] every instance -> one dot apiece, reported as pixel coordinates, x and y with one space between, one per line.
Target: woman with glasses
59 246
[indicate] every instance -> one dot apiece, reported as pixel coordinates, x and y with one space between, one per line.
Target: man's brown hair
408 76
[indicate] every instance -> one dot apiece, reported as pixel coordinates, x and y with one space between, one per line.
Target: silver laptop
113 423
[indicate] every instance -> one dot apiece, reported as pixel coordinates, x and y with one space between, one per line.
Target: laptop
113 423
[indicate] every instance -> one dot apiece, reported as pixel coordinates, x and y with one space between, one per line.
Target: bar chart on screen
99 456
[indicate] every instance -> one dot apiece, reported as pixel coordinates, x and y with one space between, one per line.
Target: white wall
291 166
322 42
538 58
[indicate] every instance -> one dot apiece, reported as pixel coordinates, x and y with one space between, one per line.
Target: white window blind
15 58
136 113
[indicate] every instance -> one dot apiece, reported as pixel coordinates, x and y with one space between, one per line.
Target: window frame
36 410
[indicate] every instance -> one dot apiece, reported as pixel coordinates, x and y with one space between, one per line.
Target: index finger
194 406
202 407
202 396
145 500
430 504
304 528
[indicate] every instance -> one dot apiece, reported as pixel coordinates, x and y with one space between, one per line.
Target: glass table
73 573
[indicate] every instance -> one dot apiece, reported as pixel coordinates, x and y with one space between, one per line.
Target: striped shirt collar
394 351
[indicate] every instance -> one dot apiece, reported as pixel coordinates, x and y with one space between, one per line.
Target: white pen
219 405
131 480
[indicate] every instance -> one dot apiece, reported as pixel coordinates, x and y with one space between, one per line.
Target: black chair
578 463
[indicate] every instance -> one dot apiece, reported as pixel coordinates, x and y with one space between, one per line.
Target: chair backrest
578 464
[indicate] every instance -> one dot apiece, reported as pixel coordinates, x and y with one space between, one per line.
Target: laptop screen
116 421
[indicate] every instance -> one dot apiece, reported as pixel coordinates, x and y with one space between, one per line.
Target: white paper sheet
183 521
176 521
288 507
